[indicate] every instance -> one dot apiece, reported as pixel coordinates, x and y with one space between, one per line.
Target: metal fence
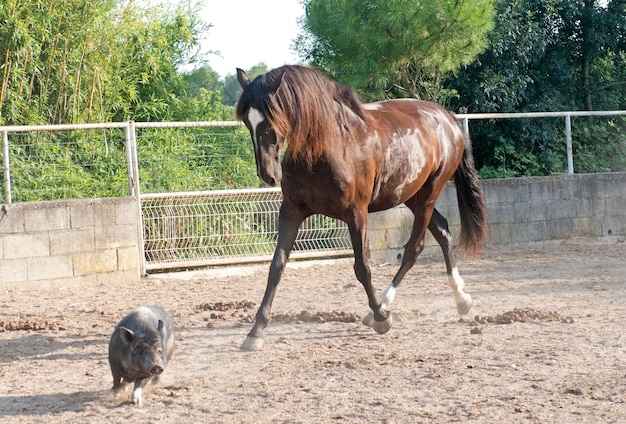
216 227
226 221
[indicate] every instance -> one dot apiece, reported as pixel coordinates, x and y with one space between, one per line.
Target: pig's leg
137 397
118 383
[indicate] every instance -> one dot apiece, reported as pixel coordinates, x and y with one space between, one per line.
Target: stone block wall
521 211
66 242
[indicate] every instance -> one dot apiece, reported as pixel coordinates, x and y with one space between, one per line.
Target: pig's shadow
34 405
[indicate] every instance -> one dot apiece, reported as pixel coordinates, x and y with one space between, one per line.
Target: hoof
464 305
368 320
381 327
252 343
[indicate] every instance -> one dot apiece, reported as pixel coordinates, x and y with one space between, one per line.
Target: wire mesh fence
66 164
194 158
207 228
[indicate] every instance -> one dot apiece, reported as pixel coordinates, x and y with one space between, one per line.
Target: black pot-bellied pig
141 345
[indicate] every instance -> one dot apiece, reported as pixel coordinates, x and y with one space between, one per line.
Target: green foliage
394 48
81 164
232 89
195 159
72 61
545 55
601 146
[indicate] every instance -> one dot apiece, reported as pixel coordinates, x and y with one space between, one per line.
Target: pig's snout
157 369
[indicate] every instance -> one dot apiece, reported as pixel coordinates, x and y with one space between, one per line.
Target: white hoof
252 343
464 304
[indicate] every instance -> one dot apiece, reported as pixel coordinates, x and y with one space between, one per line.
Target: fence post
133 182
7 169
130 170
568 141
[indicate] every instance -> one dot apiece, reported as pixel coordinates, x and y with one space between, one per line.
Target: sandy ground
544 343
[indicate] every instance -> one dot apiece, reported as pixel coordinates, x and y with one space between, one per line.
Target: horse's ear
243 78
274 85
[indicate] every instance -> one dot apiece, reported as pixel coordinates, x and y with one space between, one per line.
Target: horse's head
252 110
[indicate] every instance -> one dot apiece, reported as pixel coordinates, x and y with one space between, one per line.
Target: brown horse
345 159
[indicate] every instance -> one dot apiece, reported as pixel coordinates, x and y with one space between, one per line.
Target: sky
247 32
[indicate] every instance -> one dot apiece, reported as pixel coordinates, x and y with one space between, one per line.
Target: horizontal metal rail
190 229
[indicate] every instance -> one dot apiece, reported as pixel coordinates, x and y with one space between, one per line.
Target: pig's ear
160 326
126 335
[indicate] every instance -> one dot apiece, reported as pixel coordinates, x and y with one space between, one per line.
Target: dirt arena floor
544 343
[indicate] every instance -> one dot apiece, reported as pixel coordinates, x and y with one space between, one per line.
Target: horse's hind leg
438 226
412 250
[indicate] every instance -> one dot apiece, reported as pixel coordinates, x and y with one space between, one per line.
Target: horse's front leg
379 319
289 221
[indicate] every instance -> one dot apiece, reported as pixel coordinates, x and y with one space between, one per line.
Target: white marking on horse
463 300
255 118
388 295
372 106
404 156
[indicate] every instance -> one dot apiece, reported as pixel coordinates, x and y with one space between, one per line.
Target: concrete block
11 219
47 218
114 236
128 259
498 233
514 190
538 211
609 184
26 245
400 216
616 205
447 198
561 208
501 213
104 214
586 227
126 212
558 229
82 215
591 207
541 191
397 237
614 226
528 232
49 267
72 241
13 271
95 262
491 192
522 212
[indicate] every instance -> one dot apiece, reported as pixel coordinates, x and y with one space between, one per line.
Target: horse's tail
472 209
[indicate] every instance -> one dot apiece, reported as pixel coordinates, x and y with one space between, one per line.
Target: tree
394 48
202 77
232 89
69 61
545 55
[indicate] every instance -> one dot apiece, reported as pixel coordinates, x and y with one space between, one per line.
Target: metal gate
194 229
